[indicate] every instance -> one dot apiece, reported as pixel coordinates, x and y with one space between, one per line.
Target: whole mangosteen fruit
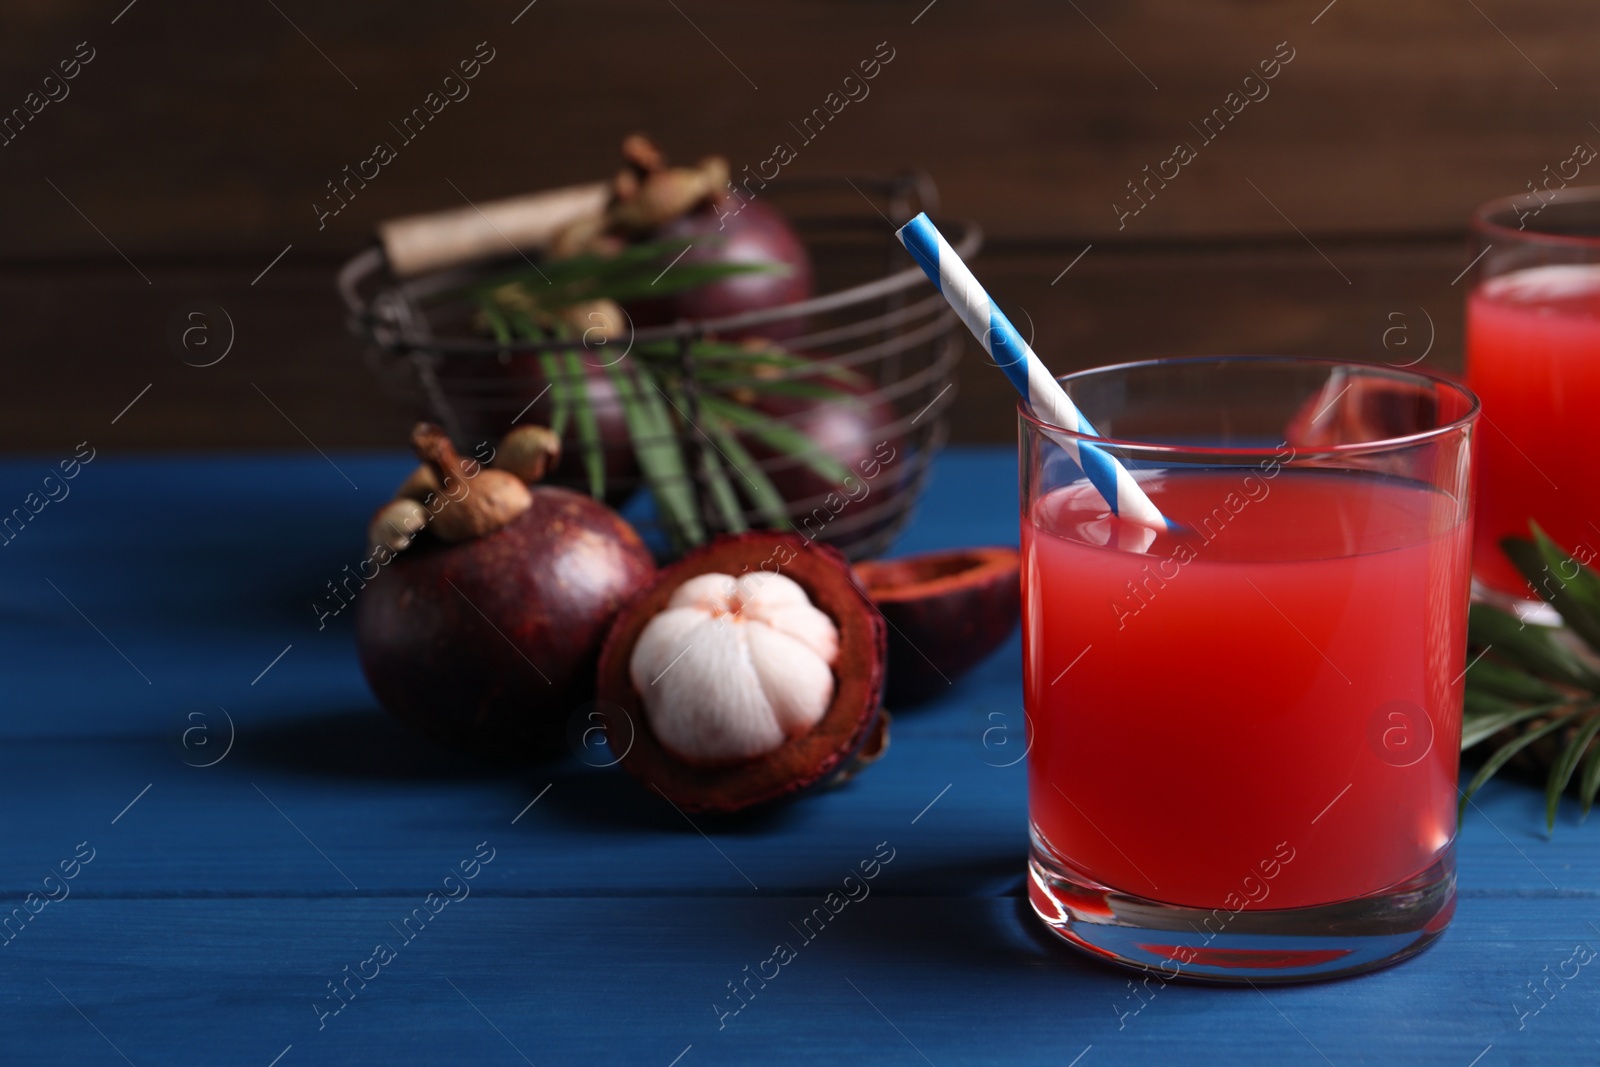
855 429
699 207
726 229
484 631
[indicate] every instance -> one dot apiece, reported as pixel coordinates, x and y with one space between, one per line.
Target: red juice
1533 358
1262 712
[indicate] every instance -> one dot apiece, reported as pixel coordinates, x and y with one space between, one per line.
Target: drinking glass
1244 731
1533 356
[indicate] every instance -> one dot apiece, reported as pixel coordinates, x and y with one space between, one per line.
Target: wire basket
879 320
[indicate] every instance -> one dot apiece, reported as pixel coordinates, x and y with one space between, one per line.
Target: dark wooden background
1327 219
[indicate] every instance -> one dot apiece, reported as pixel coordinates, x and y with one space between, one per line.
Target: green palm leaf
497 323
1546 567
716 479
1565 765
529 304
762 493
780 436
1479 726
588 426
560 407
1590 785
1491 677
636 272
660 458
1536 681
1504 753
1532 648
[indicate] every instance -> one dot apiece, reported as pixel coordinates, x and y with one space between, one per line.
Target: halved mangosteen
948 610
746 672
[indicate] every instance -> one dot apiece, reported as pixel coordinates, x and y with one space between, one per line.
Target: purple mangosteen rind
852 429
723 232
954 608
485 393
488 645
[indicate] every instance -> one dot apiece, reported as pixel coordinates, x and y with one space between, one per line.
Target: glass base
1216 945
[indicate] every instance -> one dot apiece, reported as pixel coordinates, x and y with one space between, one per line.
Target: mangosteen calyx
485 631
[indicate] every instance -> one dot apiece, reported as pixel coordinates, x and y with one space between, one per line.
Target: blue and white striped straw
1039 389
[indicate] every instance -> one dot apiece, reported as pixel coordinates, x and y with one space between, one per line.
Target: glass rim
1387 444
1485 218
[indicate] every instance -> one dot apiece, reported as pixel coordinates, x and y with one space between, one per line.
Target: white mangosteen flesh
730 669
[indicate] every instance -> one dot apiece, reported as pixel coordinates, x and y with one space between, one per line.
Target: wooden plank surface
88 339
221 900
594 980
189 152
211 128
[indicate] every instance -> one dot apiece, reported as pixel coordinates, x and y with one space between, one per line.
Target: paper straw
1040 391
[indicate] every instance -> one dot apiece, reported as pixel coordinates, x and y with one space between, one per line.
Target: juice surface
1533 358
1282 680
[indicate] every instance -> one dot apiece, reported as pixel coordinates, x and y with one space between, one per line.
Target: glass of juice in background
1533 357
1244 734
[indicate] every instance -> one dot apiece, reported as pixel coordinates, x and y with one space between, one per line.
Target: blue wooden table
217 827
